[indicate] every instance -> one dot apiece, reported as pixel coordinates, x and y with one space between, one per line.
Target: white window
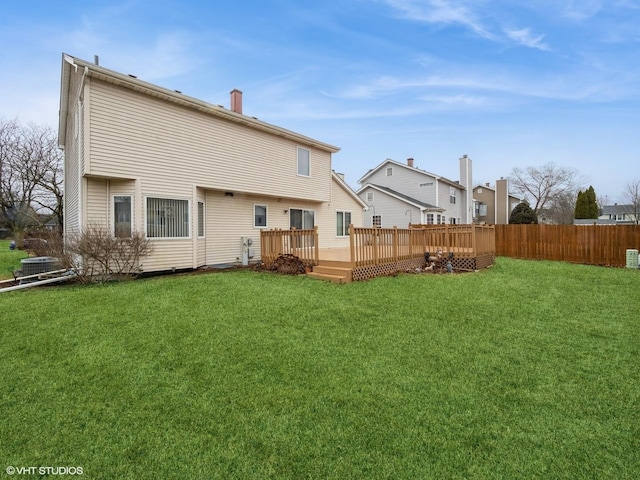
369 197
301 219
452 195
303 162
122 215
481 209
377 220
442 220
201 219
343 220
429 218
389 171
167 218
259 215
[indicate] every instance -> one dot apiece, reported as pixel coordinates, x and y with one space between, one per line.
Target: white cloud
446 12
524 37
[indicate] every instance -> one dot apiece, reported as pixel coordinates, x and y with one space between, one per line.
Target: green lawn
9 259
526 370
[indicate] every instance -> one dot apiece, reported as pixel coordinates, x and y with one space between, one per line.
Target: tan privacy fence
591 244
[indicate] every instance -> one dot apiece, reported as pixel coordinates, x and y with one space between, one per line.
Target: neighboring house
618 214
399 194
196 178
493 205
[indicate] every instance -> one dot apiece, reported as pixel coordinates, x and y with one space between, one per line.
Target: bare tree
544 185
30 174
561 209
632 196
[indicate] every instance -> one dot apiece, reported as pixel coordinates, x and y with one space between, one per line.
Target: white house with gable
398 194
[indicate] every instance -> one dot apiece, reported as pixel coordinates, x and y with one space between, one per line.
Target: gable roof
172 96
616 209
338 179
413 169
402 197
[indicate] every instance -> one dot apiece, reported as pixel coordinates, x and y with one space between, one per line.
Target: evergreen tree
582 206
523 214
592 203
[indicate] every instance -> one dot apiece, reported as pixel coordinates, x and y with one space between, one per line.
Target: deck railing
301 243
372 246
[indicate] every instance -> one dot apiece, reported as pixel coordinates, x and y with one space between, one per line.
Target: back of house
197 179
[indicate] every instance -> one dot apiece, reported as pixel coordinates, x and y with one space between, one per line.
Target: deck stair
332 271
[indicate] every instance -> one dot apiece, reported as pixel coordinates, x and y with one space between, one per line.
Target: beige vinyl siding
97 201
169 254
135 135
228 219
326 217
73 161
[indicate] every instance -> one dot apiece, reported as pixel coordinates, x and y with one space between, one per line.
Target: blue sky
511 83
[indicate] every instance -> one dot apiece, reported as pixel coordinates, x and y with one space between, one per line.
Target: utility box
632 258
36 265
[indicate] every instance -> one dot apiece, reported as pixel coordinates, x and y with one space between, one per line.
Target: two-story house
398 194
493 205
196 178
619 214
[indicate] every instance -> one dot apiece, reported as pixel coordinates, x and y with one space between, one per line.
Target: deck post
394 246
316 260
352 239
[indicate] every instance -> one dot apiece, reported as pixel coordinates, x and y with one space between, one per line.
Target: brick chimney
236 100
410 162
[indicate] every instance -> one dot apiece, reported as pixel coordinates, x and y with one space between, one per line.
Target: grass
9 259
526 370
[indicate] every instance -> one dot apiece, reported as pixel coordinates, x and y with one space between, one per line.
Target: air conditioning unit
632 258
36 265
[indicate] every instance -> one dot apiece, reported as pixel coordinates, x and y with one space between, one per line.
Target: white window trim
167 197
298 162
112 220
389 172
266 215
346 227
369 200
303 210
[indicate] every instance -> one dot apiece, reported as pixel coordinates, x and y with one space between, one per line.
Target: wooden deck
376 251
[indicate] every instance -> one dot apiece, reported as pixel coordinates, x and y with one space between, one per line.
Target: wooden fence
589 244
373 246
301 243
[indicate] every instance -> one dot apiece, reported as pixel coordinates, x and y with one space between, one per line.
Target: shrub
97 255
523 214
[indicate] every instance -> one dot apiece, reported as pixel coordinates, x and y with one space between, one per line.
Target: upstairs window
369 197
389 171
304 168
452 195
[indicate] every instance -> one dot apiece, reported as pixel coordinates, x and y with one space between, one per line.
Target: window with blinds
201 219
167 218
